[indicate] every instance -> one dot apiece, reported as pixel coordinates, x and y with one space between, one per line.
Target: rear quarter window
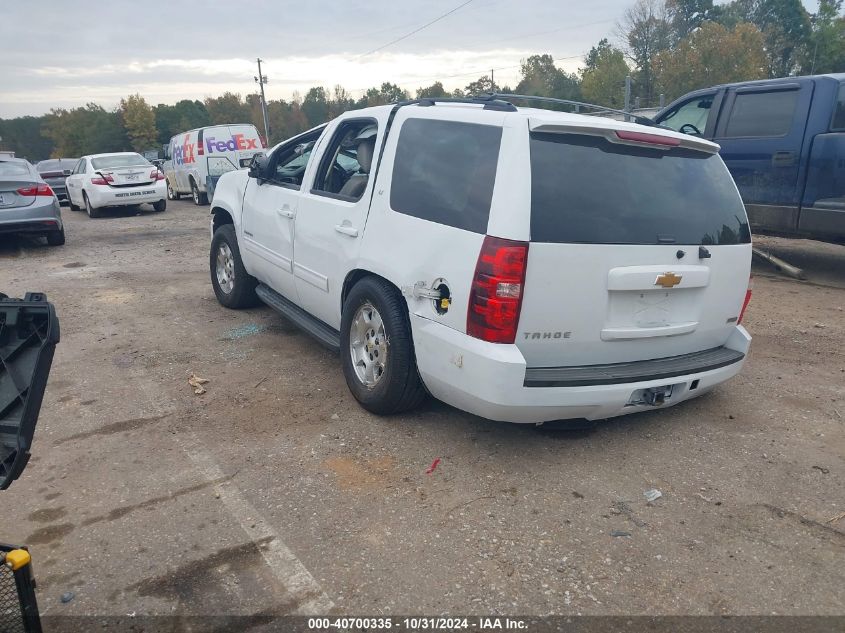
444 172
587 190
761 114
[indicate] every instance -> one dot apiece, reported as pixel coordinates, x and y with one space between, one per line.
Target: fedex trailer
196 159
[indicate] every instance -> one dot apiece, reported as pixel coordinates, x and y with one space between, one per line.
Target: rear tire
91 211
200 198
160 206
233 286
394 385
56 238
172 194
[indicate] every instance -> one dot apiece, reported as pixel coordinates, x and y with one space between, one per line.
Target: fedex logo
236 142
184 154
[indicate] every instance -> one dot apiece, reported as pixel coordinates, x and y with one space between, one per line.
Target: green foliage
183 116
826 49
434 90
541 77
712 55
228 108
23 135
87 130
139 121
603 79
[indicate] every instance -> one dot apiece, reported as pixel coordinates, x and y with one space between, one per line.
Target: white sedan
115 180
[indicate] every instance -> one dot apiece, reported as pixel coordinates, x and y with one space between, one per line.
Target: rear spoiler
627 135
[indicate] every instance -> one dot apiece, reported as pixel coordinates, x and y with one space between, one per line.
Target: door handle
783 159
346 229
287 212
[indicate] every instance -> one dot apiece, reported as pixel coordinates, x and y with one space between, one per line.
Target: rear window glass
14 169
444 172
119 160
585 189
761 114
57 164
839 111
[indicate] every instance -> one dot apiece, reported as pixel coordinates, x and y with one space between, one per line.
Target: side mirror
29 331
258 168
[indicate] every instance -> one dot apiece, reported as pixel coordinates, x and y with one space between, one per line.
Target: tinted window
839 111
444 172
119 160
585 189
292 159
691 116
761 114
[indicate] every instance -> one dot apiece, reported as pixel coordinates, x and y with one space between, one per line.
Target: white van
195 160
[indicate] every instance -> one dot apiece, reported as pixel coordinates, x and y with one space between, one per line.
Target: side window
761 114
838 122
689 117
291 160
444 172
345 169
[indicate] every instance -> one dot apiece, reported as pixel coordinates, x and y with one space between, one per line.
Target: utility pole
261 80
492 81
628 97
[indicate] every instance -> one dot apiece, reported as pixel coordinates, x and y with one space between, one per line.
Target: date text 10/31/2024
418 624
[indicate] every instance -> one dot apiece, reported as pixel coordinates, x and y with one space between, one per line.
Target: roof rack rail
489 103
502 96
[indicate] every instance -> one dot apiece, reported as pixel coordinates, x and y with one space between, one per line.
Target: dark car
54 171
783 141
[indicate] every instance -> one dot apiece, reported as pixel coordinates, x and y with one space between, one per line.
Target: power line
417 30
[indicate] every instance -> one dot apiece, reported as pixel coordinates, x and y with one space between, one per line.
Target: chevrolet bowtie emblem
668 280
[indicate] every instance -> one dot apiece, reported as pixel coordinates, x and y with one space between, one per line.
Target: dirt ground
275 493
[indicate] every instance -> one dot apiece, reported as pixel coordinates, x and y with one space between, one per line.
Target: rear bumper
41 216
489 380
104 196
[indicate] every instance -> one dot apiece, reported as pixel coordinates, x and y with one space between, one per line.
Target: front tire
91 211
172 194
160 205
233 286
377 349
56 238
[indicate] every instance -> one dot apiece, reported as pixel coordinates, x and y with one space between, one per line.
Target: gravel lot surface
275 493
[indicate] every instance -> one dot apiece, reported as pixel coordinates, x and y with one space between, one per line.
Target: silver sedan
27 203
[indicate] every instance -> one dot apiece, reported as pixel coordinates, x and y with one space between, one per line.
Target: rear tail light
747 299
102 180
649 139
35 190
495 296
155 174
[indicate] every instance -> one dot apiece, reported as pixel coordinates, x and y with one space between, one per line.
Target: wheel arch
357 274
220 216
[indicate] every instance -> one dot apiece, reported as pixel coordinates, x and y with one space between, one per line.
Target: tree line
667 47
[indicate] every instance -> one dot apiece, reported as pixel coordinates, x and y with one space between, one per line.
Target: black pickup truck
783 141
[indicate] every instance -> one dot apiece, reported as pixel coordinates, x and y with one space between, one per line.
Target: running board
326 334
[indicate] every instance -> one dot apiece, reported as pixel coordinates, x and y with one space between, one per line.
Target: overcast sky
62 54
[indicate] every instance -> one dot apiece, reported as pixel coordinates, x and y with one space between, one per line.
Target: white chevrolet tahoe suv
521 264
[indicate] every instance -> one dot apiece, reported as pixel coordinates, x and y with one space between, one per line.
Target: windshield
585 189
119 160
